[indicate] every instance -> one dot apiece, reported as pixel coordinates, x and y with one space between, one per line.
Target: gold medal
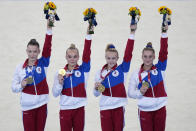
62 72
30 80
145 84
101 88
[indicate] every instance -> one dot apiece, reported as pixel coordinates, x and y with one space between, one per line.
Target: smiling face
32 52
111 58
72 57
148 57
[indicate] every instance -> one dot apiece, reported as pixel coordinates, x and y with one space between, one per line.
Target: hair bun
109 47
149 45
72 46
33 41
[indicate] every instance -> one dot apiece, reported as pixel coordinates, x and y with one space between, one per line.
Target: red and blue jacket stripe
156 77
39 73
117 76
74 85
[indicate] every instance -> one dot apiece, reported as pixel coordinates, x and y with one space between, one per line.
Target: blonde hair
111 48
148 47
72 47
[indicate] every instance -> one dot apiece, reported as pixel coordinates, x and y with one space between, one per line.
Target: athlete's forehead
110 54
72 52
32 47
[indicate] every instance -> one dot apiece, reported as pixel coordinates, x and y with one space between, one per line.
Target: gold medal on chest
145 84
30 80
101 88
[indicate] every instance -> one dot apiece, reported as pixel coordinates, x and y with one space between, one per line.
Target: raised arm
129 49
87 53
46 52
162 62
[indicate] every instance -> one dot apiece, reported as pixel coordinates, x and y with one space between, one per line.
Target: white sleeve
16 82
164 35
57 87
96 93
88 37
49 32
97 79
133 91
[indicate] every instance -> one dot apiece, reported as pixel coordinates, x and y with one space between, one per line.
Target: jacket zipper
109 86
71 86
34 85
152 89
34 82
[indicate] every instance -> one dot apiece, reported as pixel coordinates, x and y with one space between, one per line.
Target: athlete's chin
148 63
72 63
33 59
111 65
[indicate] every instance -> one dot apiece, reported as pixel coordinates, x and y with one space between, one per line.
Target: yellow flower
85 12
132 9
91 10
161 8
169 11
52 5
137 10
46 7
164 10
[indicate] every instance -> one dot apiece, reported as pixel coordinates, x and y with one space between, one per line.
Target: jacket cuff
49 32
164 35
88 37
132 37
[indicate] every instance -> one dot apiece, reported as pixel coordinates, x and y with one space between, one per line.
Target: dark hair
33 42
149 47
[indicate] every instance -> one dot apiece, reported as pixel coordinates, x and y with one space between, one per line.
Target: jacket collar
106 65
142 69
26 63
66 67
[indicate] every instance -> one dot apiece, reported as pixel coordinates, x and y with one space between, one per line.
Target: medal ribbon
66 70
141 70
31 72
113 68
140 76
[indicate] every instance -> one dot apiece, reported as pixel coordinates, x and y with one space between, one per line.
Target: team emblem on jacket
115 73
154 72
77 73
39 70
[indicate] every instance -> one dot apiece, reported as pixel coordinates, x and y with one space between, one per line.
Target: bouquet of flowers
135 14
50 11
89 14
166 15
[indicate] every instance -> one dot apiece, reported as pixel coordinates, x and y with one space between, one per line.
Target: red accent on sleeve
163 50
128 50
86 51
47 46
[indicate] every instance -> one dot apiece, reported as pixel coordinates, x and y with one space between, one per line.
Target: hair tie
111 46
149 45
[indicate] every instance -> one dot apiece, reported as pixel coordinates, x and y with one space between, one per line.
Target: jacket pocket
28 100
146 102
